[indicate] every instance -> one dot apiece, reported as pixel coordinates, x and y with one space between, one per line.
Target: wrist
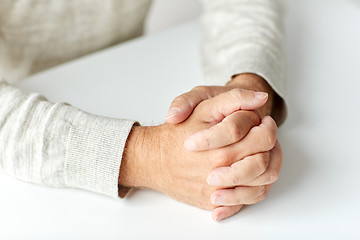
140 154
254 82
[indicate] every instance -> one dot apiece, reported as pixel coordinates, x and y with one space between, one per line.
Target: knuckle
179 99
206 141
200 108
234 180
270 137
199 88
235 131
201 105
273 127
260 191
273 176
262 160
251 117
236 93
263 190
240 195
223 157
254 117
261 197
253 194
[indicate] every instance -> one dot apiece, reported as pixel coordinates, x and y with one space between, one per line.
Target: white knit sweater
56 144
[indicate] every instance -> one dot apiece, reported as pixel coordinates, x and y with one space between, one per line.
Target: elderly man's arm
56 144
243 42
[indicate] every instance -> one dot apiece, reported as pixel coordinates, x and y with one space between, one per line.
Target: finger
238 195
223 212
272 172
183 105
261 138
217 108
232 129
240 172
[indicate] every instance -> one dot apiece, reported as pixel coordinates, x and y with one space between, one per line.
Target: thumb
221 106
183 105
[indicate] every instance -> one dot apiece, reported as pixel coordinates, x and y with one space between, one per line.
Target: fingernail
260 95
213 180
219 200
190 144
172 112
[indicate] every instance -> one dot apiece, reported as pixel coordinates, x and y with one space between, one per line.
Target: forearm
140 153
56 144
26 148
248 40
131 160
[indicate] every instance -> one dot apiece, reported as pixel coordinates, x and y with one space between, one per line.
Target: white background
168 13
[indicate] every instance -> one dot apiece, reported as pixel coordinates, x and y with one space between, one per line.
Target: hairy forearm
142 149
128 175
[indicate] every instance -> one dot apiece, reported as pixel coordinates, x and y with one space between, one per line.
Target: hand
230 176
156 158
183 105
263 168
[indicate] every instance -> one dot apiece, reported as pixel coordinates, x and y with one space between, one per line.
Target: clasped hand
221 157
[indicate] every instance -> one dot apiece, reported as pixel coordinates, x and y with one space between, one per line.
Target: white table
317 195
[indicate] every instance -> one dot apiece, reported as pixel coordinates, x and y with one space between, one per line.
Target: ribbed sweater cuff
94 152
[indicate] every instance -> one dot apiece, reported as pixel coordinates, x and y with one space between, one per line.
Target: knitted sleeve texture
56 144
243 36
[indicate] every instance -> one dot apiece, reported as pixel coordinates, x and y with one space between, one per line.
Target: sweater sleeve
56 144
244 36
